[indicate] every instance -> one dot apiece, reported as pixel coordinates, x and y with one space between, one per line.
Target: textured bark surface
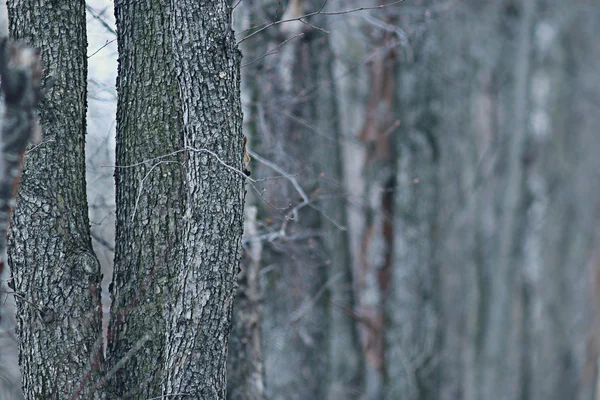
20 70
54 267
180 193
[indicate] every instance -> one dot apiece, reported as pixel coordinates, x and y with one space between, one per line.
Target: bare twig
38 145
314 27
121 363
101 47
320 12
137 199
273 50
103 241
100 18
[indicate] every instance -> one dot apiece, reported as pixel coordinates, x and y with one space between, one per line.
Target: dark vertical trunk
180 192
54 266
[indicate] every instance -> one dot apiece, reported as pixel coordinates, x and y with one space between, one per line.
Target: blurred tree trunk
245 366
245 370
565 193
180 193
375 259
507 271
413 305
309 336
295 328
54 266
345 363
346 369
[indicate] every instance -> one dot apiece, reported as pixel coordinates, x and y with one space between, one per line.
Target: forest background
421 218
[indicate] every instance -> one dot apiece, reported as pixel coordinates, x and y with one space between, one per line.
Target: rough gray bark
20 71
180 193
54 267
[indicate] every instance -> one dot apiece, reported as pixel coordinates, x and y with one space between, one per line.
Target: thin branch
139 195
289 177
103 241
273 50
38 145
101 47
307 305
121 363
314 26
320 12
166 396
292 215
146 161
236 4
212 153
98 16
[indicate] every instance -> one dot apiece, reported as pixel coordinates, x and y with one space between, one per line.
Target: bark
180 193
20 70
59 316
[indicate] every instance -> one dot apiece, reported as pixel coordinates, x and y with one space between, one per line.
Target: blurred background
421 218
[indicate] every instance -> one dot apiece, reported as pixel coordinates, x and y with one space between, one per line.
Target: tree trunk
245 370
508 269
378 137
180 193
54 267
20 70
294 277
245 366
346 366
